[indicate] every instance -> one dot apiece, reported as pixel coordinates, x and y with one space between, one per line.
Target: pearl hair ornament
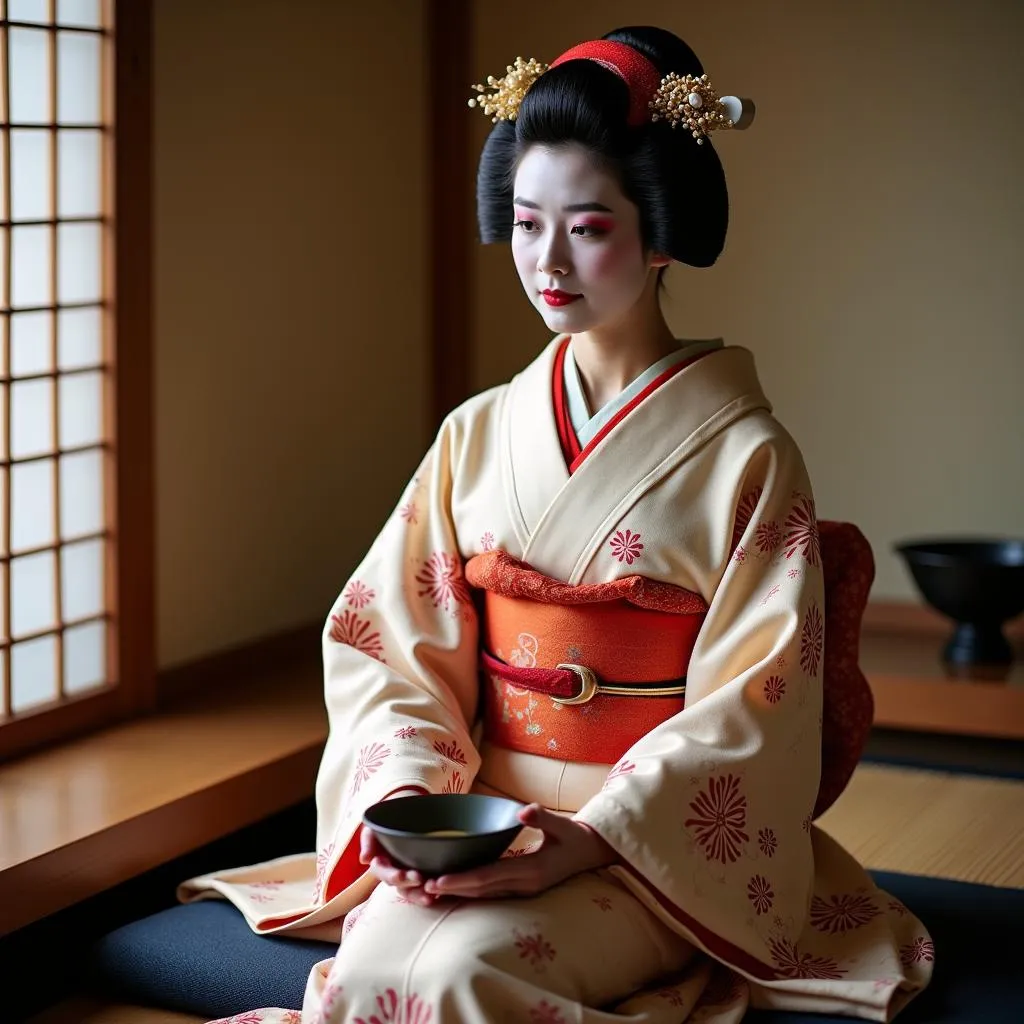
689 101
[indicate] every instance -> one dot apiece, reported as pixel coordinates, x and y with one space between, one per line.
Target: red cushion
848 705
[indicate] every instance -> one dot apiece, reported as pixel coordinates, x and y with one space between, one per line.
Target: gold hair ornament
508 92
689 101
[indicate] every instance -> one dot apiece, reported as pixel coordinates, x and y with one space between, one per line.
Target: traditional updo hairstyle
677 185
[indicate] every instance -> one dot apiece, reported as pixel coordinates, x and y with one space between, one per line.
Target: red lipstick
555 297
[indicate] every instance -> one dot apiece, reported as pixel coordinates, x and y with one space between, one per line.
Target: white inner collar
586 425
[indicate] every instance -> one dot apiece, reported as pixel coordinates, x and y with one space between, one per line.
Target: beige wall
872 266
289 289
876 255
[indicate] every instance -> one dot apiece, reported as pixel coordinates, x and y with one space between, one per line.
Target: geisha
605 594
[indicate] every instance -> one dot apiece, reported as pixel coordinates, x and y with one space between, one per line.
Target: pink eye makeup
593 226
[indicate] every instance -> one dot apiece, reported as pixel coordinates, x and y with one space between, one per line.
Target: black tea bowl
442 834
977 583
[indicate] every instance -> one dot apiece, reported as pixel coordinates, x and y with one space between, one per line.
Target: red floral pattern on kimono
546 1013
919 950
264 892
442 581
350 629
794 964
745 510
370 760
535 949
626 546
673 996
774 689
839 914
323 859
812 641
358 594
452 751
802 531
761 894
393 1009
768 537
721 815
352 918
622 768
767 841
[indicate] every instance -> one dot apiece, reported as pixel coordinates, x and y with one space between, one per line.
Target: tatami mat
940 824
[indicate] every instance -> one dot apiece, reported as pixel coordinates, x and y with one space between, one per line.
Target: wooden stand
901 649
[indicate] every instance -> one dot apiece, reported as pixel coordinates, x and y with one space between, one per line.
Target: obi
579 673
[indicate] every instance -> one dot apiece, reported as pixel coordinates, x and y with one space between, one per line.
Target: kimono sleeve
711 811
400 670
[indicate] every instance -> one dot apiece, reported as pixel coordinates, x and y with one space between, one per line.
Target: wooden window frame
450 239
128 407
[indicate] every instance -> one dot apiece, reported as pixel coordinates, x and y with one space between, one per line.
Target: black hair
678 186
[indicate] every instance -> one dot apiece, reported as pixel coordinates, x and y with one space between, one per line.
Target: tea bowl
444 833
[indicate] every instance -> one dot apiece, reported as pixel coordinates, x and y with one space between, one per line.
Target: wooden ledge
901 657
88 815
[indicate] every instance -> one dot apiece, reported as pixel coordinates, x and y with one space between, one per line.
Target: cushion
848 707
202 958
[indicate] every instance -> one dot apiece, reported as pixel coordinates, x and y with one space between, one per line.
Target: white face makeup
576 241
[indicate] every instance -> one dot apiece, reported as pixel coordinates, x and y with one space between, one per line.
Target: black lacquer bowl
979 584
441 834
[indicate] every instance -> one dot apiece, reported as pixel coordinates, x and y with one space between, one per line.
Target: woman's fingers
417 894
367 846
395 876
518 875
555 825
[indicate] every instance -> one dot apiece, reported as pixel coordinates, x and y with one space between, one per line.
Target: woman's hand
371 853
569 847
408 883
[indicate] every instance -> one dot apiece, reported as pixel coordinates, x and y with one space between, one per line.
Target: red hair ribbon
639 74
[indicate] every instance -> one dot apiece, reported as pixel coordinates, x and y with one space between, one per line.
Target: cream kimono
727 894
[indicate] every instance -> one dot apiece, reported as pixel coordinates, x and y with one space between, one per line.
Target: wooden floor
894 819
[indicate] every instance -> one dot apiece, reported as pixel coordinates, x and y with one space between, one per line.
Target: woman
626 505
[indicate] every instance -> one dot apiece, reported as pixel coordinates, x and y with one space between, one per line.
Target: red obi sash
602 627
580 672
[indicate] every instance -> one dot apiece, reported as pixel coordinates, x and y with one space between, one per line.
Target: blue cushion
202 958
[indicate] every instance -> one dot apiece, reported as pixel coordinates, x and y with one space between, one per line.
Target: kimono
670 540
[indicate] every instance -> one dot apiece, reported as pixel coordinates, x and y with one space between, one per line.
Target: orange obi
580 673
